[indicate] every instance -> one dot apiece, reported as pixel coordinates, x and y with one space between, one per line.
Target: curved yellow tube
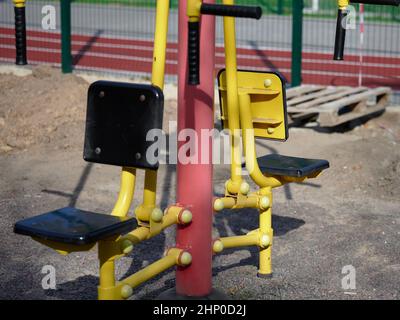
109 289
128 178
249 146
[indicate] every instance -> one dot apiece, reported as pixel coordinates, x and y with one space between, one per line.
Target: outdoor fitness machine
119 116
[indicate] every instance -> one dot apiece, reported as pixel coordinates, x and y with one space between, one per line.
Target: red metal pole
194 181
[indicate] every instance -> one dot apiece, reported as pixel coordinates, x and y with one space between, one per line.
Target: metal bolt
126 291
218 205
185 217
264 203
101 94
157 215
142 97
126 246
244 188
267 83
97 150
264 241
185 259
218 246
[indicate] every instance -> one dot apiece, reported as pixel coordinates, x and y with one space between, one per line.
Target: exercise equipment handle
194 32
340 24
231 11
378 2
194 52
20 35
340 35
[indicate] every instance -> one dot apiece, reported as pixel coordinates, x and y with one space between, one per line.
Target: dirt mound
47 108
42 108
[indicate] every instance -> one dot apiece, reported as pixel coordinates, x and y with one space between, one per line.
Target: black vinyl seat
279 165
73 226
118 119
119 116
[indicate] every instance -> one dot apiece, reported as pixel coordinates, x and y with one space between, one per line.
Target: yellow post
265 266
107 271
157 79
233 185
160 43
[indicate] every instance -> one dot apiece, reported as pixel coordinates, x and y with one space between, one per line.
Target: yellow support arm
253 238
109 289
233 185
143 212
173 215
250 149
128 175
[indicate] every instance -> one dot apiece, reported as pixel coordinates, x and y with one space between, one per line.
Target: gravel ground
350 215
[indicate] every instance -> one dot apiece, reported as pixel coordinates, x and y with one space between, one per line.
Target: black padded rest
278 165
119 116
74 226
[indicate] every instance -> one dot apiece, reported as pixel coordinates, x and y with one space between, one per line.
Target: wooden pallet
331 106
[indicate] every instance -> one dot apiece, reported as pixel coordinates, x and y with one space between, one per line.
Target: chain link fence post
66 57
297 39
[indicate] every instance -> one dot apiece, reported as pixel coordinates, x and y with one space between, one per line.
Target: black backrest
119 116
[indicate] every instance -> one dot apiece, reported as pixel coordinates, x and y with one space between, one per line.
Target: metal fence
116 36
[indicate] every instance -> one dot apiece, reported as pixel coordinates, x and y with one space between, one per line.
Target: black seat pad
276 164
74 226
118 119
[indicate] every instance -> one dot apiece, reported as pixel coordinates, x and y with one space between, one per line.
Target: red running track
133 55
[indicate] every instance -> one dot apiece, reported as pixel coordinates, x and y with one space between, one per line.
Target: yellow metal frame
253 105
267 102
240 121
151 219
